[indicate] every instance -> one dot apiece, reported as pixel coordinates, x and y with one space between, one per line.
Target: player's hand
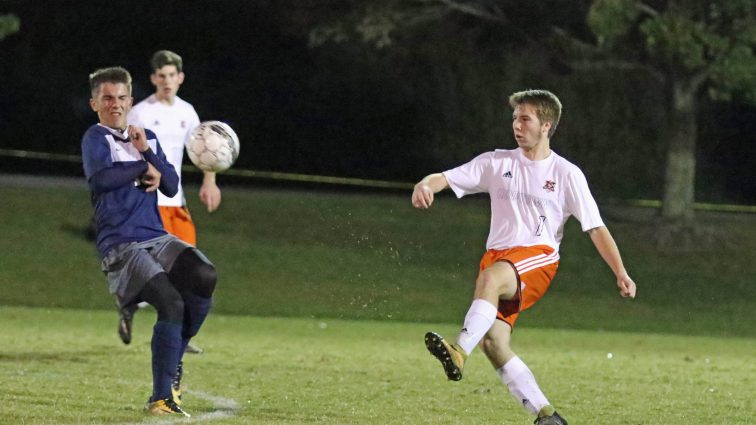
422 196
138 138
210 195
151 179
626 286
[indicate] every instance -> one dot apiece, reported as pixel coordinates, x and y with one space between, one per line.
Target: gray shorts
130 266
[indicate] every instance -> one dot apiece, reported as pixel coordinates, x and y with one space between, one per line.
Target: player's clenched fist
425 190
138 138
422 196
627 286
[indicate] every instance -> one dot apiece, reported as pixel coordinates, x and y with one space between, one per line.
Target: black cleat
452 357
125 317
554 419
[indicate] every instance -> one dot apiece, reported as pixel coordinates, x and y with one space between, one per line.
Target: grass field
68 367
324 297
299 253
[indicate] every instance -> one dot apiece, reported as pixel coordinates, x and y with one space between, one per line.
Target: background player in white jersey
172 119
533 191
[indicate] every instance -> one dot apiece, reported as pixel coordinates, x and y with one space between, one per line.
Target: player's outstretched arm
210 193
425 189
607 247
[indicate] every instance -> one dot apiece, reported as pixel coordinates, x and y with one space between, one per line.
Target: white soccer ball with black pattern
213 146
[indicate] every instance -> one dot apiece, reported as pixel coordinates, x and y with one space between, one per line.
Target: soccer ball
213 146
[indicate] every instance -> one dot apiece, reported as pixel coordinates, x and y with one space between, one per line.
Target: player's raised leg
494 282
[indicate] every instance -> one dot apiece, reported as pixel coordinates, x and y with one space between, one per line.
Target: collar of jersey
540 162
121 136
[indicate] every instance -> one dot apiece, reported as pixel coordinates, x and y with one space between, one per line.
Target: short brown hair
162 58
114 74
547 105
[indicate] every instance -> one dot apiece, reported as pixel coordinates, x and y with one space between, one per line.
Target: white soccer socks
479 319
522 384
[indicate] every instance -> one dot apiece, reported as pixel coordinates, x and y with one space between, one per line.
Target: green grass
68 367
299 253
324 297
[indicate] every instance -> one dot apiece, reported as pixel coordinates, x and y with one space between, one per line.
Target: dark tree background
432 99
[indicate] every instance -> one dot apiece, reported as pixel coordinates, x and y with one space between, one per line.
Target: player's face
167 81
528 130
112 102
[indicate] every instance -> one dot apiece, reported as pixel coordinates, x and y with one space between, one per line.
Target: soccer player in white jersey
533 192
171 119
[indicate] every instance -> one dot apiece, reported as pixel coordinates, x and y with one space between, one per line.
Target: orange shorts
178 222
535 267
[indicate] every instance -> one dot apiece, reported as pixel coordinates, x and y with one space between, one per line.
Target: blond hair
547 105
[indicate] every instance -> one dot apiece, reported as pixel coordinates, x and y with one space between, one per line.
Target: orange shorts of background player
178 222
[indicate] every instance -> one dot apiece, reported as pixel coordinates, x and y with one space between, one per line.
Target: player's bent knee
192 273
501 281
162 295
206 280
170 309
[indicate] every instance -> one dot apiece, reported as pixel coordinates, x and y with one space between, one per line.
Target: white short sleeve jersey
530 200
172 125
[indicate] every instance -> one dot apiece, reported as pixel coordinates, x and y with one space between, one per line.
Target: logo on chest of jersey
550 185
508 175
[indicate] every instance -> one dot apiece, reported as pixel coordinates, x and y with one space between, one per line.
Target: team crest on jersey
550 185
156 123
183 124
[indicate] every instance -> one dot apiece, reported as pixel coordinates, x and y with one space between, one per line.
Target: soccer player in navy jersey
125 167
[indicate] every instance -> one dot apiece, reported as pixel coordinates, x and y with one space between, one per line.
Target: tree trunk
679 183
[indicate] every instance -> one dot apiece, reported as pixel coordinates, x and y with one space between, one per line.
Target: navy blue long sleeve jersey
124 212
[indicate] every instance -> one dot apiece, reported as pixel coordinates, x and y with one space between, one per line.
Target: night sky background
431 101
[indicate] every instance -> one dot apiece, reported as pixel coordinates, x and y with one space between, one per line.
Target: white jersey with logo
172 125
530 200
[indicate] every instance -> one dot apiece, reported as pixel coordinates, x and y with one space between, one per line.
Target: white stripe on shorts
535 262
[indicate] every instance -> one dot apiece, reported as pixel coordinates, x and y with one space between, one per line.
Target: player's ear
180 77
546 127
153 79
92 104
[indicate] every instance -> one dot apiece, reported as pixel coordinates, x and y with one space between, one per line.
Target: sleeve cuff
149 155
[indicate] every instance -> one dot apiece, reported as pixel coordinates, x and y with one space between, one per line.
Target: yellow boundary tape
272 175
700 206
347 181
